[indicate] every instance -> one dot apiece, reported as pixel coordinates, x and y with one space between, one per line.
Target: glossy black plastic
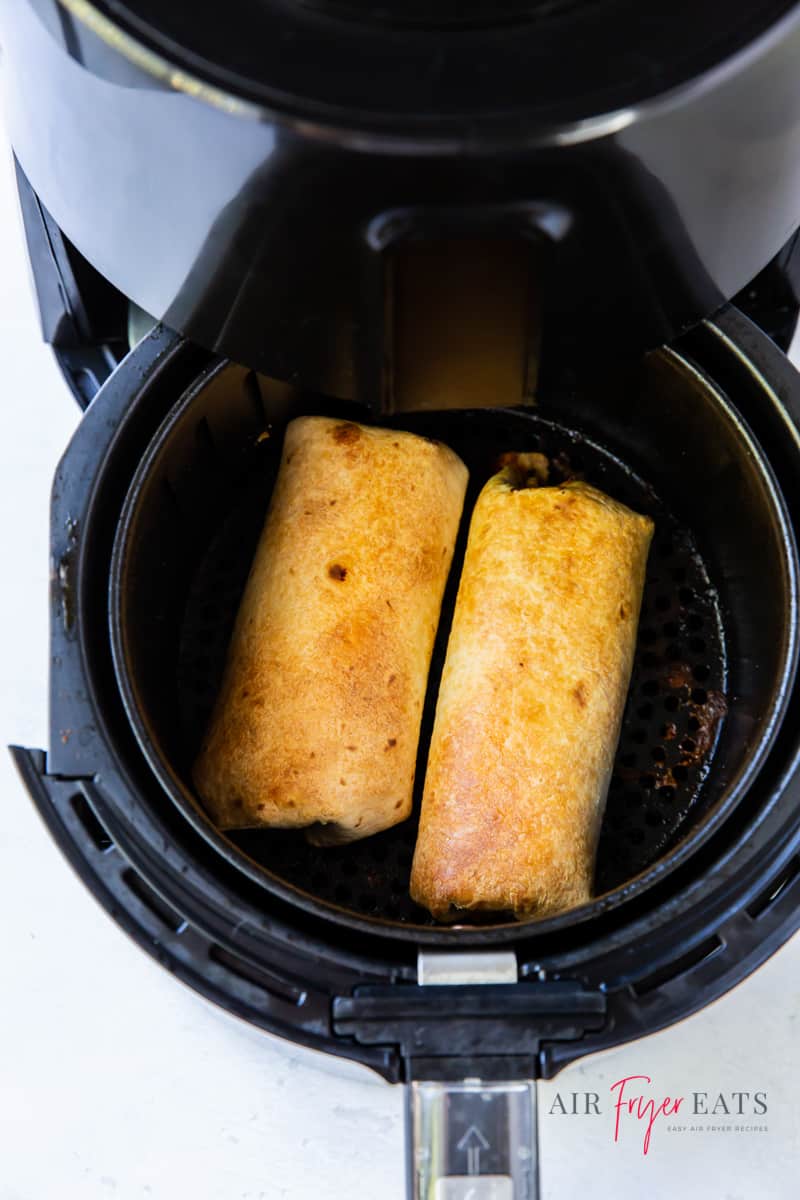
434 66
206 478
262 226
283 965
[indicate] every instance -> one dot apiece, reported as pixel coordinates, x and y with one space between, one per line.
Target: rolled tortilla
531 699
317 720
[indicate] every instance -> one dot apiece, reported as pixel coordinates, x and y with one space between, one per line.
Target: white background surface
118 1083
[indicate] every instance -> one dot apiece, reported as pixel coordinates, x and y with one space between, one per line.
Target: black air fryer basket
280 195
157 506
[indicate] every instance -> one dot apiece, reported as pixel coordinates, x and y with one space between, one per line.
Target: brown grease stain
708 716
680 675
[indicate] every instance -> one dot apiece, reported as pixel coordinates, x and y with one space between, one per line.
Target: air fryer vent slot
679 966
153 902
168 487
90 822
775 890
205 438
253 391
272 984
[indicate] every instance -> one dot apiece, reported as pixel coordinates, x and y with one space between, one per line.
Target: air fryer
566 227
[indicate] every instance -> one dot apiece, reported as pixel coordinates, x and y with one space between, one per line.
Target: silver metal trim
439 968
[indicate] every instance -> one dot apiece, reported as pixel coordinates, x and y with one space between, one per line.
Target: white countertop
116 1082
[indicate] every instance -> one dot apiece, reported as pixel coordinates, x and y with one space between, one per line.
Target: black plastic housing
185 543
259 174
317 981
262 225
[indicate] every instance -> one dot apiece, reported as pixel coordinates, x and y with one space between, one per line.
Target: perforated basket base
675 706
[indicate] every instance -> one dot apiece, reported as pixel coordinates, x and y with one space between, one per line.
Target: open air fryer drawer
314 967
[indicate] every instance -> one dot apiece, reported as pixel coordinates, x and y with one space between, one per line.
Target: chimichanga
317 721
531 699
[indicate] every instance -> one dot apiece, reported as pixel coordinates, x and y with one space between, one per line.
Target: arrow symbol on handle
473 1142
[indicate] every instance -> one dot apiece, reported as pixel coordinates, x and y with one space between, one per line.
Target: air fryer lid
362 62
256 176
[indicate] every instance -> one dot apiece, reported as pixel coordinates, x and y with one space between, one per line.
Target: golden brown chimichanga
317 721
531 699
